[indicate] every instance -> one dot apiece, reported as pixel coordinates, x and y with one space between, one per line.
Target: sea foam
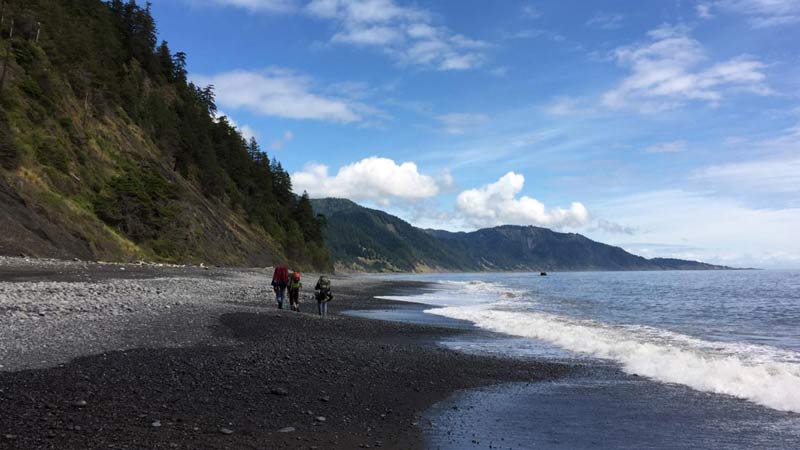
764 375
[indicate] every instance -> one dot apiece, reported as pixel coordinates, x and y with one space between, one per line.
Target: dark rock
279 391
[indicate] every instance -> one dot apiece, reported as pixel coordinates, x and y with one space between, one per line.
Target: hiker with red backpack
280 281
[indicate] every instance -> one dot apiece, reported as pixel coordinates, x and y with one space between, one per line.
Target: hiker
280 279
322 292
294 291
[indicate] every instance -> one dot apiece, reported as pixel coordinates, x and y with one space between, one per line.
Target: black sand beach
233 372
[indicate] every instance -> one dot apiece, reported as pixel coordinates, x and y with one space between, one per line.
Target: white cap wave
767 376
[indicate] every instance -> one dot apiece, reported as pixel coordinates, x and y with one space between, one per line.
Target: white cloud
566 106
775 175
704 11
372 35
499 71
406 33
534 33
760 13
251 5
665 74
375 179
497 204
614 227
445 179
606 21
279 93
246 130
279 143
709 228
667 147
770 174
459 123
531 11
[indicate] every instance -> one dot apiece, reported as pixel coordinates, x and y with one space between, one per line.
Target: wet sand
220 367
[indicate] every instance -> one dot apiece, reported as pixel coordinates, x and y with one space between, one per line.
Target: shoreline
225 369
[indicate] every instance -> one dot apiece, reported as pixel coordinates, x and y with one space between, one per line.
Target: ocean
676 359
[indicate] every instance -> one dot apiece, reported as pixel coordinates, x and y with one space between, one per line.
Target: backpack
324 284
324 289
280 276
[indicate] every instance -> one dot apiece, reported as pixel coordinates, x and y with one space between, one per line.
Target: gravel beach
127 356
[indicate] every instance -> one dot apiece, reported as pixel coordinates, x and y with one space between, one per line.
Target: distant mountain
364 239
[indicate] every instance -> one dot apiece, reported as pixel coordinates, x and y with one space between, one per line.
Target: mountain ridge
369 240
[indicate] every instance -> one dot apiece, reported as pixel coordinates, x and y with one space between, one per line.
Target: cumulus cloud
459 123
404 32
759 13
280 93
279 143
375 179
667 147
666 73
497 204
246 130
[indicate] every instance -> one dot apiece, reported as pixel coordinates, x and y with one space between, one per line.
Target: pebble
320 418
286 430
80 404
156 424
279 391
226 431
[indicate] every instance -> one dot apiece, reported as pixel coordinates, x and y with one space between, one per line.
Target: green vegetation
364 239
98 114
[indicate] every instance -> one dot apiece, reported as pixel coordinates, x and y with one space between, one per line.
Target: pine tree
110 60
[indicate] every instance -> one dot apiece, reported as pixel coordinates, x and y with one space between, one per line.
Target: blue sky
670 128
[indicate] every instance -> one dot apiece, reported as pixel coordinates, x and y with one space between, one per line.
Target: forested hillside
363 239
108 151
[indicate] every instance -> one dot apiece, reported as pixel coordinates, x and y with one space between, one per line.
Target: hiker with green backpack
294 291
322 292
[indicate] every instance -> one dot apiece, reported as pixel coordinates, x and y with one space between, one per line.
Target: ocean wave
451 292
762 374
